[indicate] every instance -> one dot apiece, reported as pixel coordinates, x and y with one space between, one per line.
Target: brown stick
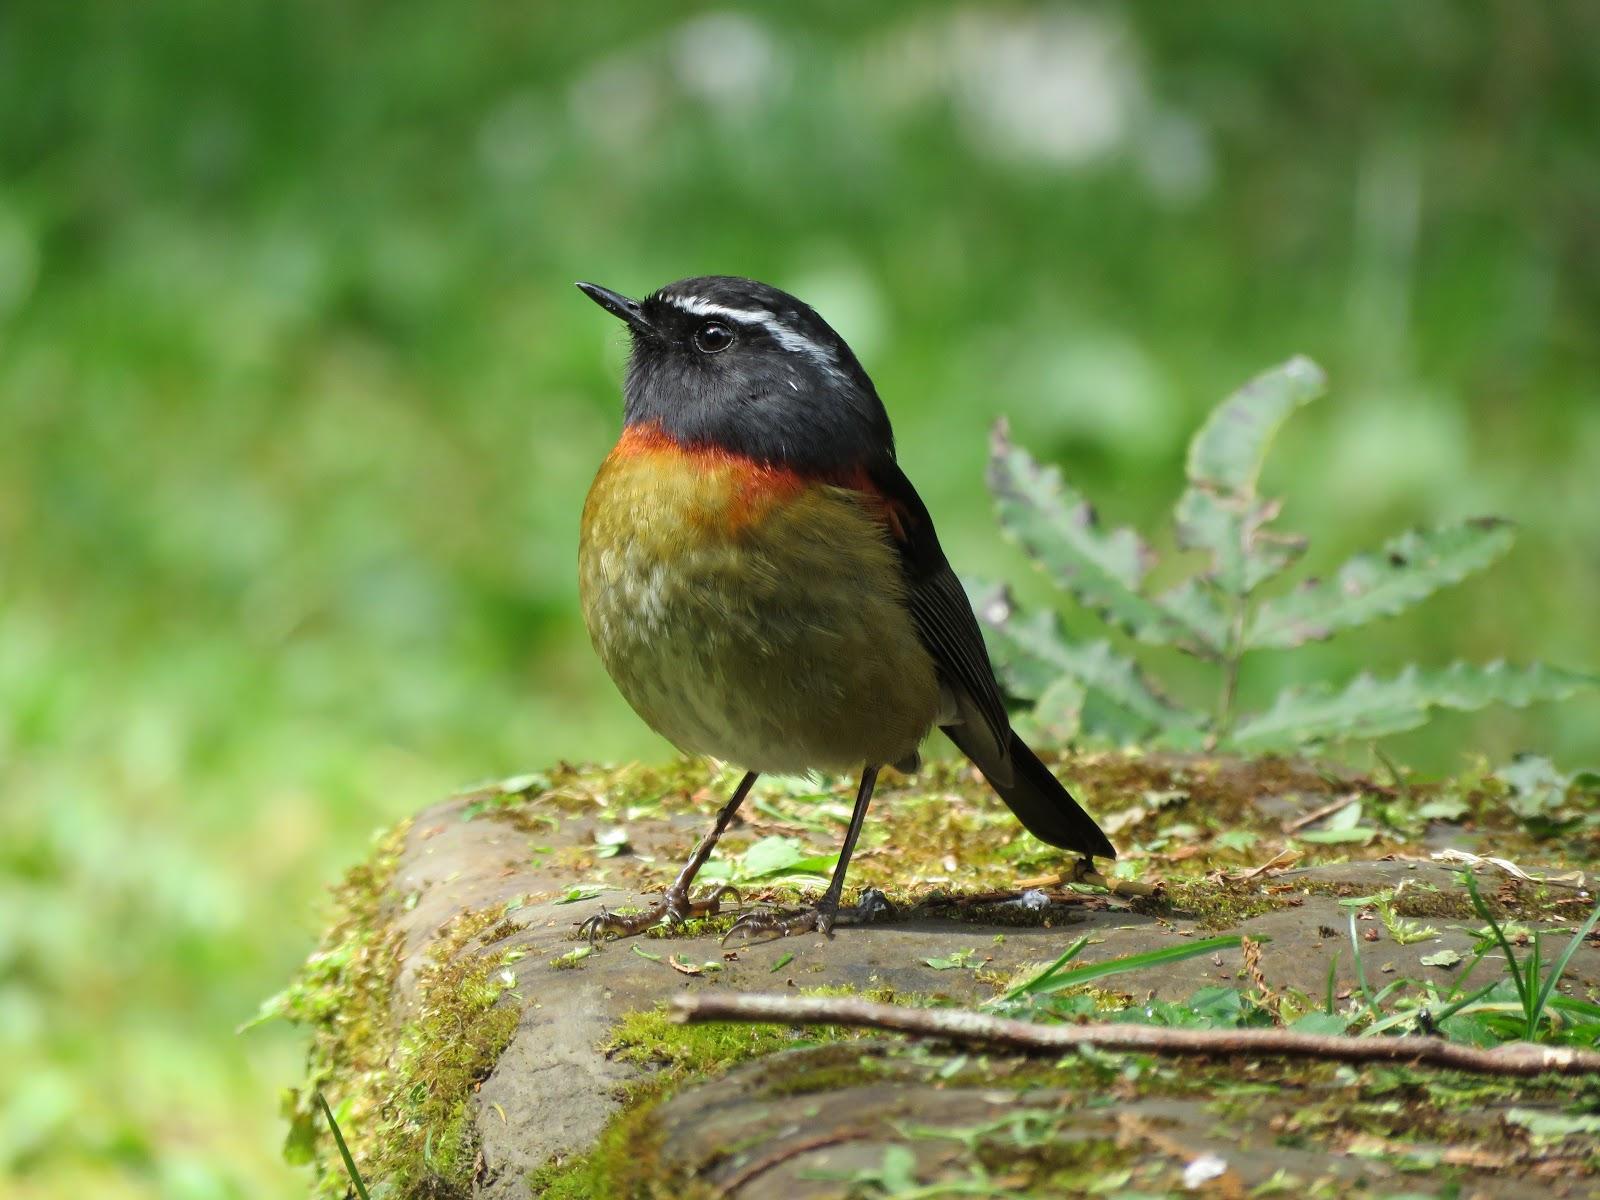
1296 824
964 1025
1117 887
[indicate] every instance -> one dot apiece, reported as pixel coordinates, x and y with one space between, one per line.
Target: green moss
455 1033
624 1164
624 1160
342 993
1220 905
680 1051
399 1082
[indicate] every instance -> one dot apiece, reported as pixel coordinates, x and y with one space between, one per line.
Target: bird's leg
827 913
675 905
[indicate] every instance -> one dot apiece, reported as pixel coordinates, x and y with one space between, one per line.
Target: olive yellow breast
752 615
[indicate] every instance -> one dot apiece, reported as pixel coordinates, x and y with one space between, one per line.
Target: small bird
766 587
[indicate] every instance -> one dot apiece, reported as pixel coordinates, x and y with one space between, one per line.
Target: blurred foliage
298 405
1232 606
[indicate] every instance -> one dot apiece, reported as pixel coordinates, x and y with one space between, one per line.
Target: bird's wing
944 619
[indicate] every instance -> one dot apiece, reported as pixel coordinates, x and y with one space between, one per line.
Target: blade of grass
1451 1010
1512 965
1560 965
1410 1015
1051 981
1333 967
1385 992
344 1151
1572 1004
1461 979
1028 985
1361 968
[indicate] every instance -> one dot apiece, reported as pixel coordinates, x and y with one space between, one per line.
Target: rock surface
821 1121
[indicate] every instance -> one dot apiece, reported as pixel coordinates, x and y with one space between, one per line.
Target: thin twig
963 1025
1283 859
1316 814
1082 874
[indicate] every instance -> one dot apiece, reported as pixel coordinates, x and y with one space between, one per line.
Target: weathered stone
748 1134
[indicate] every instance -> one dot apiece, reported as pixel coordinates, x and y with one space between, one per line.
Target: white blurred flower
726 58
1056 88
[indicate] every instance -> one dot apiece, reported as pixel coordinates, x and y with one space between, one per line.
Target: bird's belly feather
759 620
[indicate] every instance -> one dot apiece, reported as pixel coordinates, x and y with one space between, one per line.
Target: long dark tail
1045 808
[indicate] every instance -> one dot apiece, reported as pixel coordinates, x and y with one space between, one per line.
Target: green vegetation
1219 615
400 1074
298 408
1521 1005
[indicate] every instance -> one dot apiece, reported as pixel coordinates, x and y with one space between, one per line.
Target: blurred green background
298 406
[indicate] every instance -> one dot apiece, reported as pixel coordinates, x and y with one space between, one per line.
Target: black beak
619 305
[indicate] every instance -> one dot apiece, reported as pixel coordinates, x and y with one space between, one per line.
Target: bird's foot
873 906
673 908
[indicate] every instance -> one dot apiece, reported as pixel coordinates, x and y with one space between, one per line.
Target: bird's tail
1045 808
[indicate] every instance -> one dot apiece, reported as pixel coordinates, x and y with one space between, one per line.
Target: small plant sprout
1220 615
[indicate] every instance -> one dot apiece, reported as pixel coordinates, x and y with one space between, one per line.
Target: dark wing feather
944 619
979 727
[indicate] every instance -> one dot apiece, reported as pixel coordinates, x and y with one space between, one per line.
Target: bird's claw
872 906
674 908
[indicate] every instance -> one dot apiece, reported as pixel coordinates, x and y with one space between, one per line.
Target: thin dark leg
826 914
829 907
702 852
675 906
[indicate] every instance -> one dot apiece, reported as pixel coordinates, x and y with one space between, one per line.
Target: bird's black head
732 363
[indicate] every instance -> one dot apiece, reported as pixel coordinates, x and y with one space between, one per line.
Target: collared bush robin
766 587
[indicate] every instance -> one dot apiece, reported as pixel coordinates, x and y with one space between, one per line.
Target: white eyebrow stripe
768 320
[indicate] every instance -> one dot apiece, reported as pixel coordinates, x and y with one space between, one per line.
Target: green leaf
1195 606
1342 827
771 855
1537 788
1055 979
961 959
1058 712
1337 837
1228 451
1031 654
1369 707
1549 1126
899 1171
1059 530
1443 808
1220 512
1321 1024
574 895
1407 570
777 856
1444 958
1230 528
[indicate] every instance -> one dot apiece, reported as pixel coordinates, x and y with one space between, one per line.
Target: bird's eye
713 338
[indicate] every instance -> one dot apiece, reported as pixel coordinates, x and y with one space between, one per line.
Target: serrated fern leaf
1220 512
1196 607
1408 569
1031 654
1370 707
1060 531
1230 448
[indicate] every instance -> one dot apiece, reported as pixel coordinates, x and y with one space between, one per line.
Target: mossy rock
470 1046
